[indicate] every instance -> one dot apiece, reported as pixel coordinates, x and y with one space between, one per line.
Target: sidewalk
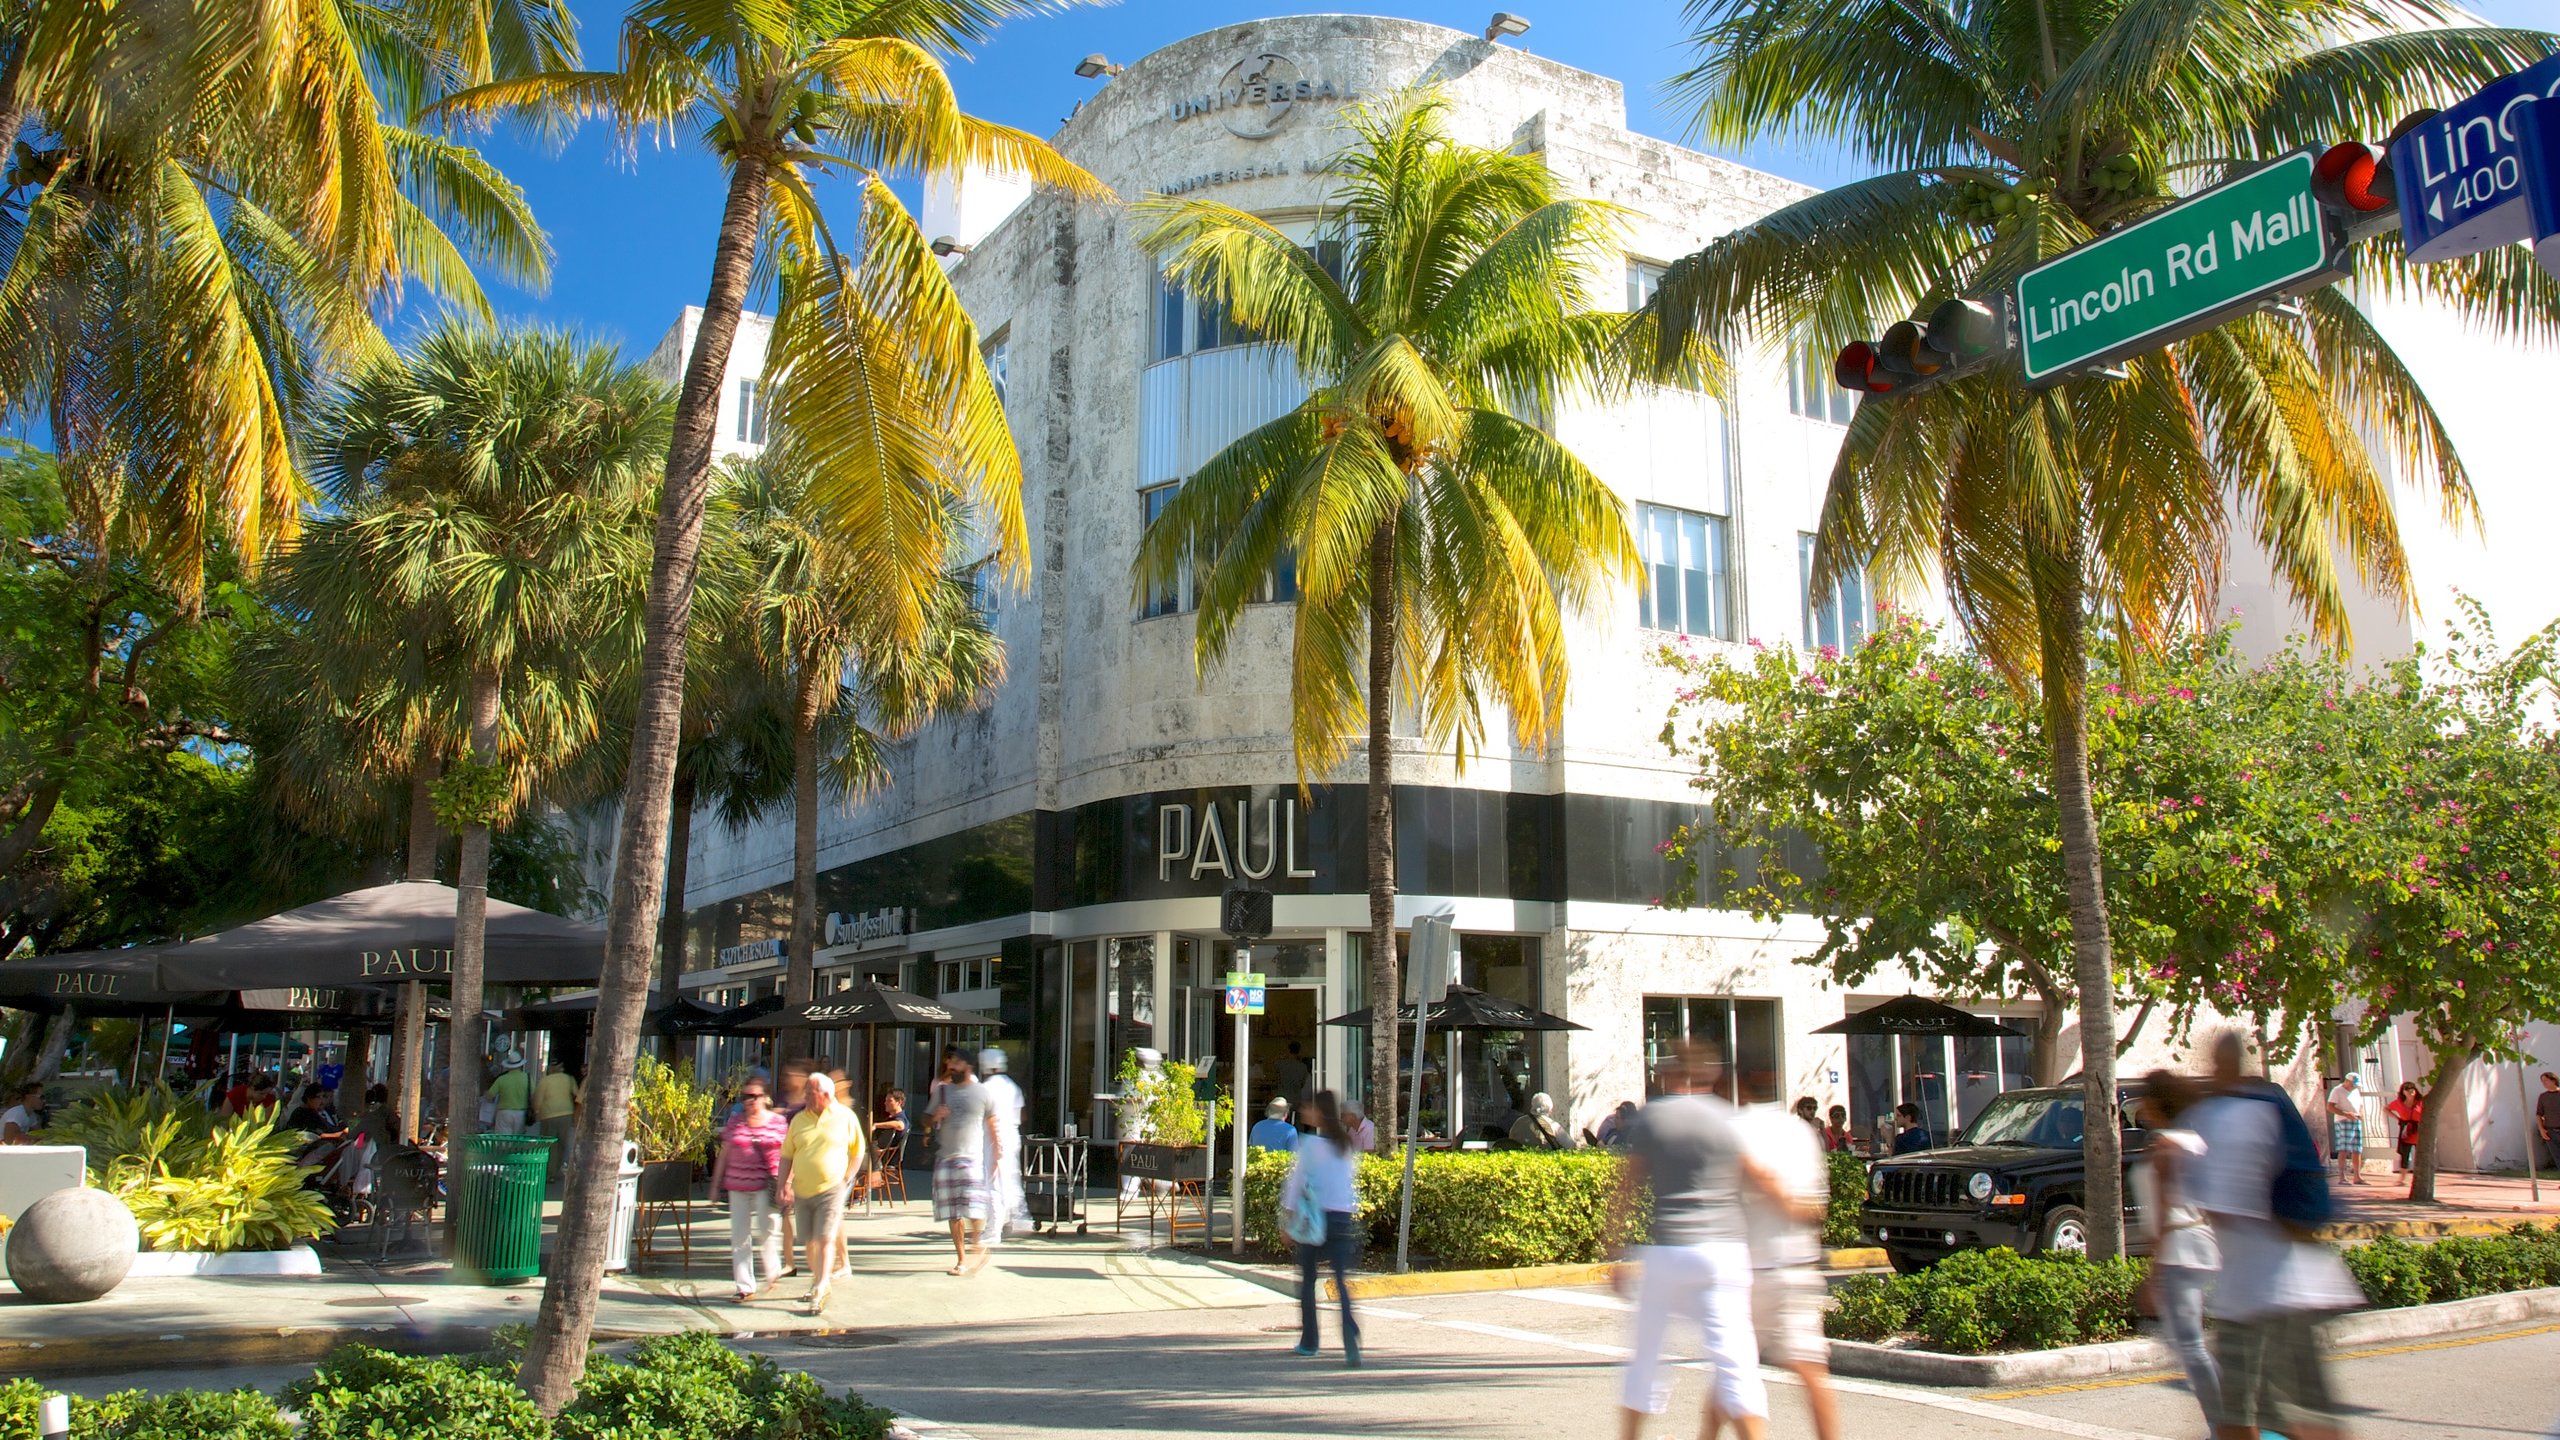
2464 1205
898 1286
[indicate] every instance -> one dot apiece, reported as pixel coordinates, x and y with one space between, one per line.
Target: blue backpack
2301 1199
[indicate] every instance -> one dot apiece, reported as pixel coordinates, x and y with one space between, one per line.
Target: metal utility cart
1054 1176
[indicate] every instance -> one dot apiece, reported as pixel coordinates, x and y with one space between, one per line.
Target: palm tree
1439 536
2009 131
231 182
854 684
496 486
875 366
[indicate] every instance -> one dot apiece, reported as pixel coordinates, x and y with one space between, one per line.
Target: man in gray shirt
1688 1151
964 1134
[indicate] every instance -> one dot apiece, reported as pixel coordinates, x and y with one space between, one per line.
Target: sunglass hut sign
1258 94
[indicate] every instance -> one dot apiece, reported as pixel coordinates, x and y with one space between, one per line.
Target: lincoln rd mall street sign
2184 270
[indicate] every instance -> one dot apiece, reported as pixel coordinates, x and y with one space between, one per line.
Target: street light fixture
1504 23
946 246
1094 67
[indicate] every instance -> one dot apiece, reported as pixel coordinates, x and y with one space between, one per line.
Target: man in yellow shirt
508 1094
818 1156
555 1112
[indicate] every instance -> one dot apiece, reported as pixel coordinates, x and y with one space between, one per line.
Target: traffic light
1962 337
2354 184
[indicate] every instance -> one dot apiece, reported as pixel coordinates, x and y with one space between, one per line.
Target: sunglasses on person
754 1095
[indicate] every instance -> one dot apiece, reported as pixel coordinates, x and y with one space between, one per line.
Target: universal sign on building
1257 95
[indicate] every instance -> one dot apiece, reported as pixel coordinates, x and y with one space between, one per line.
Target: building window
752 398
1685 588
1811 392
1643 278
999 360
1186 323
1162 597
1744 1032
1837 616
1280 587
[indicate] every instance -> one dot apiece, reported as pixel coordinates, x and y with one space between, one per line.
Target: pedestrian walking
1784 1232
963 1130
1696 1262
2262 1188
2546 1121
2184 1259
748 1175
2346 1127
508 1096
2408 1106
1004 1153
1319 1208
555 1110
817 1155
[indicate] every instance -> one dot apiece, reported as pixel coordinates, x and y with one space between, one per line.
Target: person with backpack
2262 1188
2184 1262
1319 1204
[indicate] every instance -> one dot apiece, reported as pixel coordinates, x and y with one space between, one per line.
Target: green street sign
2187 269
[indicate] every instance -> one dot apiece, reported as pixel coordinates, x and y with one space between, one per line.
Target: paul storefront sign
2184 270
1230 850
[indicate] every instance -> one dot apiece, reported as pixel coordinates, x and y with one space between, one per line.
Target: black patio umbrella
867 1003
680 1017
1913 1015
1467 1008
100 982
383 934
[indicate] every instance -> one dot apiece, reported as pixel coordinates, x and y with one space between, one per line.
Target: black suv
2013 1179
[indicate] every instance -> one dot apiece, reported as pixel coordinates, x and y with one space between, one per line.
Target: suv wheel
1905 1262
2066 1231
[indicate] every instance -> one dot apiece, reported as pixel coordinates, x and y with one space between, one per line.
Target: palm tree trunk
2061 616
409 1021
671 915
1384 991
557 1354
57 1043
800 966
2422 1168
463 1041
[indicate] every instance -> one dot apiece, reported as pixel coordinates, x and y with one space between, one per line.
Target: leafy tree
1438 535
855 684
875 368
496 486
2009 131
1897 794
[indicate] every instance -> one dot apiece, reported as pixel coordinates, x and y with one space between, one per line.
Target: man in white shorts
1785 1235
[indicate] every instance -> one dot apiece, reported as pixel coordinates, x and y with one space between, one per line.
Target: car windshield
2046 1120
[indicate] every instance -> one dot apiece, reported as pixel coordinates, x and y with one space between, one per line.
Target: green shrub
1848 1191
2395 1273
1867 1307
179 1415
18 1401
360 1393
694 1387
192 1181
1982 1300
1471 1210
2391 1271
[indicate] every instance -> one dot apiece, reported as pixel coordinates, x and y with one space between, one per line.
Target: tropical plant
1439 531
2009 131
875 367
1168 1099
855 679
495 487
194 1182
670 1115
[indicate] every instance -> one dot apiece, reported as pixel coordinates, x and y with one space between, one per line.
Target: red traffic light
1855 369
2354 177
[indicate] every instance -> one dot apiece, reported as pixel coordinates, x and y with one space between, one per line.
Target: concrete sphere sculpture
72 1245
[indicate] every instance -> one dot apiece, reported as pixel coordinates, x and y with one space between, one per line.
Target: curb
1856 1257
1475 1282
2121 1357
2353 1231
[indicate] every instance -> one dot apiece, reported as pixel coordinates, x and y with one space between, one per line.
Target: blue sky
632 237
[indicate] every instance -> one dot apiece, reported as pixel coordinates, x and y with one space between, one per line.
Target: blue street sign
2541 127
2461 173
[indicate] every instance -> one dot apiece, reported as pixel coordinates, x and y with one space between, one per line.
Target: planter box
666 1182
300 1261
2090 1362
1164 1162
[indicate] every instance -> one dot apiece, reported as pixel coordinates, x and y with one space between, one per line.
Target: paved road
1530 1365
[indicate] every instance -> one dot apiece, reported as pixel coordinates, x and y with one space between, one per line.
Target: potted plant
210 1195
671 1123
1167 1120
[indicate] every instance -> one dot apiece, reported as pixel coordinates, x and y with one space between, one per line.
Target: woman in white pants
750 1162
2185 1260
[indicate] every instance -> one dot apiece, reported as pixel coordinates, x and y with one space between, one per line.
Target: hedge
1472 1210
2395 1273
675 1387
1976 1301
1848 1192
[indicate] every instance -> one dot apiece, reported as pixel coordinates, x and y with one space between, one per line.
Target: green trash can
497 1207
